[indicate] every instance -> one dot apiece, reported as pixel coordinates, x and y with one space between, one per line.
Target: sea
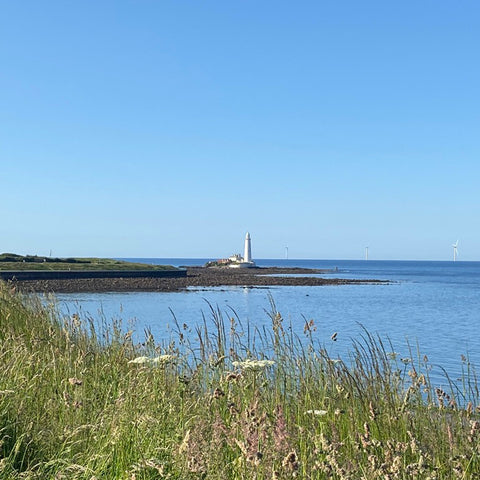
428 310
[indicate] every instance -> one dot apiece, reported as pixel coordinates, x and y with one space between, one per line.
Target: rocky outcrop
195 277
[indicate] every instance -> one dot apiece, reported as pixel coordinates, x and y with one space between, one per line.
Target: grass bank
11 261
82 402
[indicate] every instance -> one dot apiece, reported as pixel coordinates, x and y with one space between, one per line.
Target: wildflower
140 360
250 364
161 359
316 412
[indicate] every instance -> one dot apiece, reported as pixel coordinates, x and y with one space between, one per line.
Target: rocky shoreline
195 277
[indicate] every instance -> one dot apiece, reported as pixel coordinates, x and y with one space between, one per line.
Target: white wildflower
163 359
160 360
316 412
251 364
140 360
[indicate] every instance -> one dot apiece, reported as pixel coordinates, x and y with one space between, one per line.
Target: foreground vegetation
12 261
82 402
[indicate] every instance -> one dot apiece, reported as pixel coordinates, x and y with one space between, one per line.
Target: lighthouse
237 261
247 256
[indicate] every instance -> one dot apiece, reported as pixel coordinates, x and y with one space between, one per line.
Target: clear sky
158 128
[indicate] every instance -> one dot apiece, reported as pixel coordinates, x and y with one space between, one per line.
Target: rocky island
189 277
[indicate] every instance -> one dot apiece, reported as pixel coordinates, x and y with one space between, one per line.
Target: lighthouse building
245 261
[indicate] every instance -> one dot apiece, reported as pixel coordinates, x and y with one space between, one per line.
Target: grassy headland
12 261
79 402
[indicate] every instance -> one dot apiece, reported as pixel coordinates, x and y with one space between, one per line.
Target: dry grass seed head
218 393
75 381
474 430
413 443
67 399
280 434
442 397
233 377
309 326
450 437
232 408
290 462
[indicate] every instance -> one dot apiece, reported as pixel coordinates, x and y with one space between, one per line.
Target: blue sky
170 128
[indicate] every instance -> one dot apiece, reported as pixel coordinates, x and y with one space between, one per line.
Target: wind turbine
455 251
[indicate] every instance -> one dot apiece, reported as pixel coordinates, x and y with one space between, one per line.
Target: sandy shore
196 277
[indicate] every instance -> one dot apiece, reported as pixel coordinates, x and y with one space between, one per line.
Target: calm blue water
433 304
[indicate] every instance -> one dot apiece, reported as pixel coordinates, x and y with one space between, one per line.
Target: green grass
10 261
73 405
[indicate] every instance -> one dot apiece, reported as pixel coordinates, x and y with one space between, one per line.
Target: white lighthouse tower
246 261
247 256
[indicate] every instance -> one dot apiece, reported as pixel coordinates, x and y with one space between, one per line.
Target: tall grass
223 402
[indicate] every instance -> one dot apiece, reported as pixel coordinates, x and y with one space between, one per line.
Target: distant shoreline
24 275
191 277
